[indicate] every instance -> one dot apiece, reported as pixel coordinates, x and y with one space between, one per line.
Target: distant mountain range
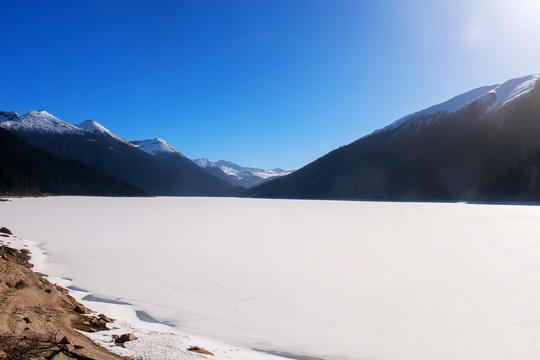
239 175
481 145
152 165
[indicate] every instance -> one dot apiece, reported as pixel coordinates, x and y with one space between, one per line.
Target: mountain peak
91 125
40 113
40 121
156 147
91 122
96 128
204 163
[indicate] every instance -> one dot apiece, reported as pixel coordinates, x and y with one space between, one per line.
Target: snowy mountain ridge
40 121
153 165
204 163
97 128
479 145
240 172
43 122
240 175
156 147
512 90
499 95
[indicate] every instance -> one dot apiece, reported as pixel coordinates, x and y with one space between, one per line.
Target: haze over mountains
480 145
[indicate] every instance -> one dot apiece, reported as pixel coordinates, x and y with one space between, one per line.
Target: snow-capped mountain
449 151
37 121
153 165
239 175
439 153
239 171
204 163
97 128
496 96
156 147
43 122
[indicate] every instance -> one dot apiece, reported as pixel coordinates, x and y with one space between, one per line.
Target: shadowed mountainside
438 155
27 170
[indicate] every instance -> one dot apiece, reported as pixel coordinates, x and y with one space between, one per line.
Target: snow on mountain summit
97 128
40 121
512 89
240 175
500 94
43 122
156 147
204 163
241 172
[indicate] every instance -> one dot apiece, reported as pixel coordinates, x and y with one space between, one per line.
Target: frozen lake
336 280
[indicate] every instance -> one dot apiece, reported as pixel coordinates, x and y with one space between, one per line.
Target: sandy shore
39 318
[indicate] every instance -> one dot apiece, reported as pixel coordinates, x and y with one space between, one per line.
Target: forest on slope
27 170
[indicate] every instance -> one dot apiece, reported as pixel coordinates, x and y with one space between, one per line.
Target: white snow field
328 279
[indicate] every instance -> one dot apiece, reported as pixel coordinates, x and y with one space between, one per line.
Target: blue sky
261 83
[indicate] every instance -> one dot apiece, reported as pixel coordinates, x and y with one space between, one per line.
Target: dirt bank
37 318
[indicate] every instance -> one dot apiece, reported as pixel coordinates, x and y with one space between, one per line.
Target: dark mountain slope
354 171
519 182
452 170
192 180
27 170
433 155
113 155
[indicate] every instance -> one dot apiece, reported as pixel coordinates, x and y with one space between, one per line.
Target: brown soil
34 312
200 350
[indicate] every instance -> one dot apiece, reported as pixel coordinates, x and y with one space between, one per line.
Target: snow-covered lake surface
328 279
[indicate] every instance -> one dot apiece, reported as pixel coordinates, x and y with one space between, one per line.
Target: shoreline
156 340
39 319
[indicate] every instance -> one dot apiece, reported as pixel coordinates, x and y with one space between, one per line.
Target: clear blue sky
264 83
